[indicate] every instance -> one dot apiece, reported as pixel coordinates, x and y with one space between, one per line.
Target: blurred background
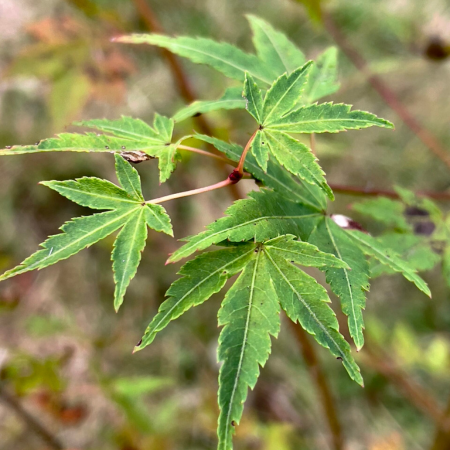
68 378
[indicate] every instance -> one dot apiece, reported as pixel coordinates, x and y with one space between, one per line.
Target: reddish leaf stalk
229 181
240 167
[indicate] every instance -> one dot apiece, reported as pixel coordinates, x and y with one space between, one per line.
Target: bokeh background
65 356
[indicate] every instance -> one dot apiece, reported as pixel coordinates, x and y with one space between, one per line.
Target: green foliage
264 237
124 135
348 285
127 209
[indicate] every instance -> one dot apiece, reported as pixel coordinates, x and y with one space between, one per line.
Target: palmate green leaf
124 135
128 210
296 157
202 277
250 311
231 99
264 215
348 285
275 177
372 247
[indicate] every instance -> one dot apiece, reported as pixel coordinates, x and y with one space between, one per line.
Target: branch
412 391
385 92
355 190
31 423
442 436
316 373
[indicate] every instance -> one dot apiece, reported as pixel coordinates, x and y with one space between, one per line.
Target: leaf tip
137 347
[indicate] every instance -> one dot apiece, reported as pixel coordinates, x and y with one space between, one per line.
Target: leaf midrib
241 356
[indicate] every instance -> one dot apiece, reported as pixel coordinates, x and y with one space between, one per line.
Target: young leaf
202 277
372 247
264 215
322 80
274 48
276 177
128 210
231 99
348 285
249 314
305 301
125 135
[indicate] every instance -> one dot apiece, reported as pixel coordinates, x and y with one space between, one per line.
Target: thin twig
316 373
442 436
202 190
385 92
355 190
31 422
412 391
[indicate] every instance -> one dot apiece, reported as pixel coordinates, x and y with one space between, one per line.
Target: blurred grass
64 351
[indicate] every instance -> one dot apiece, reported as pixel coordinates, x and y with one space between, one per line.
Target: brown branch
328 404
31 422
385 92
442 436
354 190
412 391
